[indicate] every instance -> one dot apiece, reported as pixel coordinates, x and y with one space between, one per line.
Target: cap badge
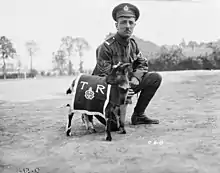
125 8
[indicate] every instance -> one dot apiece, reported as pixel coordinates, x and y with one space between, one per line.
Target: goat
110 92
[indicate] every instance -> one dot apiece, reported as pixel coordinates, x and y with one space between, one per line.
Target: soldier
122 47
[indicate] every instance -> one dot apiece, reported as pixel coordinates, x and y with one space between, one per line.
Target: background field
32 129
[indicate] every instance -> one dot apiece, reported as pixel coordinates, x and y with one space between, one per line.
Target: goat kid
109 93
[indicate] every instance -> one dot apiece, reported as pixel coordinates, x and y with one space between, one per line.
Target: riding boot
151 85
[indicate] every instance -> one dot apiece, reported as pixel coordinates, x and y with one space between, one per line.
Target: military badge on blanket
91 95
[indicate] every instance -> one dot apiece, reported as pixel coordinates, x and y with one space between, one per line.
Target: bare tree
6 50
183 43
19 65
193 45
32 48
67 46
80 45
59 61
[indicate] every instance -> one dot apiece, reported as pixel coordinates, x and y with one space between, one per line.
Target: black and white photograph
109 86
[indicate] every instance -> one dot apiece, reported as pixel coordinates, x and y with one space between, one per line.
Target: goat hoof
93 131
90 131
122 132
68 133
108 138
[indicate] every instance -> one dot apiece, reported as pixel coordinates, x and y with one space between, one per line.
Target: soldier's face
125 26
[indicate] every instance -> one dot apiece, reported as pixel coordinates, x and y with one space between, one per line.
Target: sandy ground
187 140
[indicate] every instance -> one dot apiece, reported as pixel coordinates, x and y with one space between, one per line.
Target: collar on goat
120 64
117 65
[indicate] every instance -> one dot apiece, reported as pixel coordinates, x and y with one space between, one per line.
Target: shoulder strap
110 40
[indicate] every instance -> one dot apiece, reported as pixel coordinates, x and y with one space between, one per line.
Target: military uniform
117 49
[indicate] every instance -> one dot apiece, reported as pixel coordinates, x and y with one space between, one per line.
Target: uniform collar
121 40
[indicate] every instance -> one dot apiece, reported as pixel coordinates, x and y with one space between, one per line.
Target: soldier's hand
134 81
130 92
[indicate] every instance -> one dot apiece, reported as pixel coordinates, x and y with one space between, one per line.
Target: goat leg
68 127
108 118
90 118
108 130
93 128
123 109
87 119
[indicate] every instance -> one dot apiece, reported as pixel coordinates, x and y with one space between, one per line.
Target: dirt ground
187 140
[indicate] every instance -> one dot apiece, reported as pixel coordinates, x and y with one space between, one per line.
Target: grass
32 129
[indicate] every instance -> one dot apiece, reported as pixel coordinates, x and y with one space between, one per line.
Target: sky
47 21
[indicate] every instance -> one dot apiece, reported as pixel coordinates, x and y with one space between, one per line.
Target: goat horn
117 65
126 65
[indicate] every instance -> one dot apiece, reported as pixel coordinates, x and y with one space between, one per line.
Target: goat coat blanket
91 95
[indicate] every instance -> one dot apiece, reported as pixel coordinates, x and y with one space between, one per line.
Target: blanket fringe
80 111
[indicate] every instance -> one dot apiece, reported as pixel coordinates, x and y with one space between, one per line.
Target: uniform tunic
116 49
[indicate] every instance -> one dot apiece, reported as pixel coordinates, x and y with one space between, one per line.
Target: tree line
168 58
173 58
61 58
7 50
70 46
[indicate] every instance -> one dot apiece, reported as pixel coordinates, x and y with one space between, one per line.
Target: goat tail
70 89
64 105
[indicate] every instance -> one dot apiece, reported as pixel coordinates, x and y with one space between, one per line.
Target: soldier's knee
157 77
153 79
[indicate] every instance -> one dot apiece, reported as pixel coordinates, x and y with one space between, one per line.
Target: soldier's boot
138 117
